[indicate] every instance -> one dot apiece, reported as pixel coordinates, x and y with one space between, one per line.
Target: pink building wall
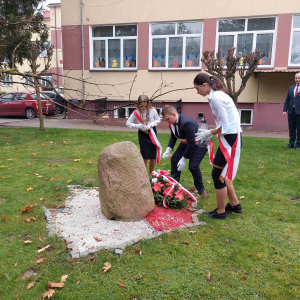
143 45
209 34
54 38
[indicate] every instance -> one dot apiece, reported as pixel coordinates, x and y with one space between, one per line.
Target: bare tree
245 65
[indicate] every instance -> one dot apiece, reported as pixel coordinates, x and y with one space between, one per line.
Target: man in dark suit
292 106
184 129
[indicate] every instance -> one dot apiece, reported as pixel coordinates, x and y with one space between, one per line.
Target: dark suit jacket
291 100
187 128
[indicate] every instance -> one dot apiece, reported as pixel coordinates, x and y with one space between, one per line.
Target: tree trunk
38 98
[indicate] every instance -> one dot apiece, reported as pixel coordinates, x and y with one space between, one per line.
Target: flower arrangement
172 194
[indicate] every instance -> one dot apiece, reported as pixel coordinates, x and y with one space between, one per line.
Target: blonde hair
142 99
168 110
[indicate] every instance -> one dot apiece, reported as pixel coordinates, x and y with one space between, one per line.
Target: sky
50 1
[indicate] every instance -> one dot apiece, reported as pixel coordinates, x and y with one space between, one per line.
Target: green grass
170 269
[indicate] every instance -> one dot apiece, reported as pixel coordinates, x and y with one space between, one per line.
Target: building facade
159 45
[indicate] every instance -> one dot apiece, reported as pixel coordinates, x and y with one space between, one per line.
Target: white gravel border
86 230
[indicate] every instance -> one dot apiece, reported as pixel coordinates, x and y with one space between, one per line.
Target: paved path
59 122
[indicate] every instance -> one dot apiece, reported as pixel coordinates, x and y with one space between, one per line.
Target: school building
158 44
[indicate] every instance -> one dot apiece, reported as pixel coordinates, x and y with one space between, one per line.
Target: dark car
25 104
59 101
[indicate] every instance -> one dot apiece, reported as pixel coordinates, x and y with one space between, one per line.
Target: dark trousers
294 128
194 164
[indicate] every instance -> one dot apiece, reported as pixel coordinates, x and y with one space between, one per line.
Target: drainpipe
258 76
82 47
56 46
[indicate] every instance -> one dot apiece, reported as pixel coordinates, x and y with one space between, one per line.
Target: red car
25 104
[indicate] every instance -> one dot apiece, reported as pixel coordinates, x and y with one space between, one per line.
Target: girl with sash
146 118
228 129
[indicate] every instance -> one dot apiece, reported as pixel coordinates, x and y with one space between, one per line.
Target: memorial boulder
124 187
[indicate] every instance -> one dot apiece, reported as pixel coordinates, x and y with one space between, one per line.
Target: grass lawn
249 256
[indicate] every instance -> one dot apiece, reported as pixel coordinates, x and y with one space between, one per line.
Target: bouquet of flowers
167 194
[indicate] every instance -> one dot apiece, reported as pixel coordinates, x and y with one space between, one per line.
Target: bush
2 93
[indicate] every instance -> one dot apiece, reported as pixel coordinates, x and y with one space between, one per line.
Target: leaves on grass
42 199
209 277
40 260
91 257
137 277
77 159
121 284
78 281
97 239
40 239
228 241
58 284
64 278
244 277
209 182
70 180
49 294
251 253
27 242
106 267
242 197
192 231
185 242
30 285
29 189
15 265
43 249
4 217
259 255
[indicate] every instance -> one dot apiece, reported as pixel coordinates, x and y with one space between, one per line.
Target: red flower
179 195
156 187
167 192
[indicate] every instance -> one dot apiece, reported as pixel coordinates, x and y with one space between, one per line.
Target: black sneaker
236 209
215 215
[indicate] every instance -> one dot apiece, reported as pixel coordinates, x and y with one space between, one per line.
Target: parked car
59 101
25 104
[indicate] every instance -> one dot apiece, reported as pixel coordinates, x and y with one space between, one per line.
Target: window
28 81
45 82
294 56
246 116
114 47
44 52
246 35
175 45
7 80
7 98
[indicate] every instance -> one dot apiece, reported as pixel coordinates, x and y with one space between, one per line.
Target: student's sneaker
236 209
215 215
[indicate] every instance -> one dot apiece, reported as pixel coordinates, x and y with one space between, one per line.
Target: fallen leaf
228 241
91 257
55 284
33 154
64 278
9 255
4 216
209 277
42 199
197 244
90 163
209 182
83 243
251 253
40 260
70 180
43 249
40 239
49 294
30 285
185 242
28 208
121 284
78 281
28 242
259 255
97 239
29 189
26 220
244 277
33 218
192 231
256 202
242 197
77 159
15 265
106 267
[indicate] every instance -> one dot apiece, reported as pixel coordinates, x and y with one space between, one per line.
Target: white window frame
291 43
235 34
44 52
167 37
45 83
27 79
9 81
121 38
240 114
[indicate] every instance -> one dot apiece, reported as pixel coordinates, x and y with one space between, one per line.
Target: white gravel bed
85 228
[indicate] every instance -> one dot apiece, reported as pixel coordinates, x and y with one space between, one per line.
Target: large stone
124 187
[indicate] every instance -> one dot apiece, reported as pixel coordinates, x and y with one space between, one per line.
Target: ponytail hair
213 81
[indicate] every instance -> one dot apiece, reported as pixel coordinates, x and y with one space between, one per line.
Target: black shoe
289 146
236 209
215 215
297 148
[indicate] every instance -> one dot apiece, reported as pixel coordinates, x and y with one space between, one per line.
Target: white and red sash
153 138
184 141
164 174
